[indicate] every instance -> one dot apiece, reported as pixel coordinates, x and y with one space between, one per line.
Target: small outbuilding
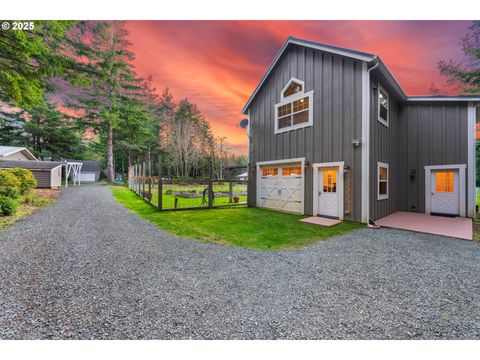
90 171
15 153
47 173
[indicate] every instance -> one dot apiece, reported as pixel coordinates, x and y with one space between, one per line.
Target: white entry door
328 193
445 192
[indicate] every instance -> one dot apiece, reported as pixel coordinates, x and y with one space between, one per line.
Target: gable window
293 88
295 110
382 180
383 106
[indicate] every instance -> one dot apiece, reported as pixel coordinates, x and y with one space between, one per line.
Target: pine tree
466 74
28 59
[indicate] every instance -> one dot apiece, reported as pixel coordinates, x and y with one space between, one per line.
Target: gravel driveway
87 268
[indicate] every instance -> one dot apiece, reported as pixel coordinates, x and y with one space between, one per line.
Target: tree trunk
110 172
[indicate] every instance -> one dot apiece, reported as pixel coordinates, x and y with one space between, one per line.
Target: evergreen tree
28 59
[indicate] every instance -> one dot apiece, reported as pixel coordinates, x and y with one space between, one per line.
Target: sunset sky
217 64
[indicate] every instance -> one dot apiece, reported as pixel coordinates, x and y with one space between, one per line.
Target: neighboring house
243 176
90 171
332 133
47 173
15 153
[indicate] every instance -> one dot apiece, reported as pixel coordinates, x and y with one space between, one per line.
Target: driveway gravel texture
87 268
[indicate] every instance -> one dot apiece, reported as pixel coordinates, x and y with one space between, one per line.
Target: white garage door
280 187
87 176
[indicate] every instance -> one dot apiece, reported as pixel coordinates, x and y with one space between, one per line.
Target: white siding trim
365 144
471 190
283 161
340 187
461 185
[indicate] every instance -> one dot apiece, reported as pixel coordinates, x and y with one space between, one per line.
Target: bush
8 206
9 184
27 180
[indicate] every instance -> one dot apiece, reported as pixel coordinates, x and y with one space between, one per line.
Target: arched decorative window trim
290 100
300 82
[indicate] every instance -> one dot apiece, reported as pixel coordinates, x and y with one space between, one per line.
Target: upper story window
294 87
296 108
383 106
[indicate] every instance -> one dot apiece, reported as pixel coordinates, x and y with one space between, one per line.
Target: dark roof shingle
29 164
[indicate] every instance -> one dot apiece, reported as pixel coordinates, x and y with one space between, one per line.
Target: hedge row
14 183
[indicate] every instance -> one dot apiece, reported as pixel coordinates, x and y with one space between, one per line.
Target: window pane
383 102
383 174
293 88
382 188
301 104
285 122
300 118
383 113
291 170
329 181
269 171
383 99
284 110
444 181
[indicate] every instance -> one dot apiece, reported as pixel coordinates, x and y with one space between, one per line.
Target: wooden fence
185 194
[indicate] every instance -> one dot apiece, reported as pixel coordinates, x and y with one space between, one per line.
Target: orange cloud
217 64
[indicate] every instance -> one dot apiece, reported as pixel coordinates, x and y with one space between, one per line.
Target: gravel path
100 272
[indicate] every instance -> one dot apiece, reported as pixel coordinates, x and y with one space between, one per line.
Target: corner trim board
365 144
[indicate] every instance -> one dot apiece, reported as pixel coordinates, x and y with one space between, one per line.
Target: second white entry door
328 193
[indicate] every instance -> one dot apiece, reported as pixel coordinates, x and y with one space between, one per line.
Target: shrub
9 184
8 206
27 180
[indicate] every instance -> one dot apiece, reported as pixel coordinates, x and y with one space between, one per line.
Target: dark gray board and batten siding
383 148
337 119
430 134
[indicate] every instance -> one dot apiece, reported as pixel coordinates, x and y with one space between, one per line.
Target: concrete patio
457 227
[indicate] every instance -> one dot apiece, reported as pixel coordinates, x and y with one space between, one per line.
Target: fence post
144 173
230 191
210 186
149 181
160 182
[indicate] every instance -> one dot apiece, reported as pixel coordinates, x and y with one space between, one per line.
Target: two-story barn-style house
332 133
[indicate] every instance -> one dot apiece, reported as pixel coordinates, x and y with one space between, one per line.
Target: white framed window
383 106
383 177
296 108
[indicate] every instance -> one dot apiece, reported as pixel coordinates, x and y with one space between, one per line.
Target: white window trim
379 118
289 100
300 82
382 165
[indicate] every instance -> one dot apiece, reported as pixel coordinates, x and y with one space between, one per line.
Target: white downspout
366 140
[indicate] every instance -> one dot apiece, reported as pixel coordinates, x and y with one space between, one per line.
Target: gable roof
90 165
30 164
9 150
354 54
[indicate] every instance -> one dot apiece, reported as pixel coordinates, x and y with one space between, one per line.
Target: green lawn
478 196
237 226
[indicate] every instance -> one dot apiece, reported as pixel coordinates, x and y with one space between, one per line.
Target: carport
458 227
